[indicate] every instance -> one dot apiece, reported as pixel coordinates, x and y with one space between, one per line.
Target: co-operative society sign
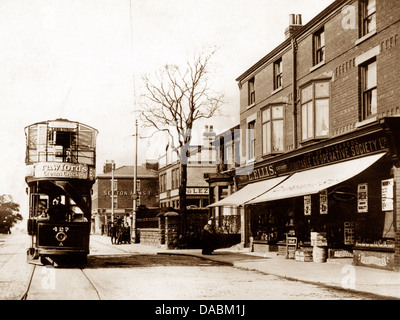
63 170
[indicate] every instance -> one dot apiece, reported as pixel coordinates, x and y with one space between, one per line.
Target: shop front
336 196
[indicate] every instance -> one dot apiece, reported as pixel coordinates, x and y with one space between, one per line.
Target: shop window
315 110
272 129
278 74
252 92
319 46
369 99
368 16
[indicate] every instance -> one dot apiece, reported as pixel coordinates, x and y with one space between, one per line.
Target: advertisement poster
362 197
387 195
307 205
323 202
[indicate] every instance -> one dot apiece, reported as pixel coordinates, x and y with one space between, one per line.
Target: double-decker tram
60 171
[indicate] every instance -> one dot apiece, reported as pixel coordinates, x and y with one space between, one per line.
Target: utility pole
135 194
112 191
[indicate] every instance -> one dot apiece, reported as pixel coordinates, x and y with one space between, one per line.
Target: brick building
319 120
201 160
147 188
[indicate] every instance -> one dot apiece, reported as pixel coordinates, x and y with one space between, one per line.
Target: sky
83 60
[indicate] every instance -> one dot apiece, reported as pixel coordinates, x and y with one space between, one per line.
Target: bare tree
174 100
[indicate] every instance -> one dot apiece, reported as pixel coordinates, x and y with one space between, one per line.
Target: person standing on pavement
208 238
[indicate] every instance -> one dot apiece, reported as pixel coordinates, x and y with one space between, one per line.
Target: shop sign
323 202
63 170
340 253
362 197
347 150
374 259
387 195
197 191
307 205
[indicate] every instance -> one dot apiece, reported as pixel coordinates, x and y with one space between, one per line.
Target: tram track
37 277
58 289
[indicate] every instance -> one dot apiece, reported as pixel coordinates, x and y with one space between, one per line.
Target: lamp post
135 195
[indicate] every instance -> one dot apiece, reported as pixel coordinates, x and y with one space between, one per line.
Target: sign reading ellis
63 170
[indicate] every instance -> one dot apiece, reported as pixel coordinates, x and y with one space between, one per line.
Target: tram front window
61 144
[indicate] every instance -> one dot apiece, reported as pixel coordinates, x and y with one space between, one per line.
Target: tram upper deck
60 149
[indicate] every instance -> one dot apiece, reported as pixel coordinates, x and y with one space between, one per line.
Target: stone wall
150 236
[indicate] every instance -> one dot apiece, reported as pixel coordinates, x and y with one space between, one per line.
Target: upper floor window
319 46
163 182
368 16
175 178
369 99
272 129
278 74
252 92
251 140
315 110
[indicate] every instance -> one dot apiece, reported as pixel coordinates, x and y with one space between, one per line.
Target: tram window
40 204
61 138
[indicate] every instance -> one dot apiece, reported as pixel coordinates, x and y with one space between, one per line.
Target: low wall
150 236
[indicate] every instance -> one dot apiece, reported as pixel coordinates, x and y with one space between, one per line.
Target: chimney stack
108 166
294 24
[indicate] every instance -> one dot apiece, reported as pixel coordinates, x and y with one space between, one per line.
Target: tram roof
61 120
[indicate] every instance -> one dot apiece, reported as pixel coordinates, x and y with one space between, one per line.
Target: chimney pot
292 19
298 19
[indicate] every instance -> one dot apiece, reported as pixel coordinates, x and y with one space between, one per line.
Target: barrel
319 254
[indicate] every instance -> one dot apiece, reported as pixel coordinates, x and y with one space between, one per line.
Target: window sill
271 155
276 90
317 66
250 106
367 36
250 162
312 141
365 122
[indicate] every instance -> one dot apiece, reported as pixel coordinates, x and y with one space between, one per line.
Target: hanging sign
362 197
307 205
387 195
323 202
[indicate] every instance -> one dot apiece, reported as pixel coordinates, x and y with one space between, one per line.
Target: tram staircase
78 199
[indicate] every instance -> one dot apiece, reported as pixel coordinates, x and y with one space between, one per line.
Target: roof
287 42
128 172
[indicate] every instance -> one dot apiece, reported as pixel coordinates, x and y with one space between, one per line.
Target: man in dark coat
208 238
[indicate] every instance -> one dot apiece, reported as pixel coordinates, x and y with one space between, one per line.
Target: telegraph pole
135 194
112 191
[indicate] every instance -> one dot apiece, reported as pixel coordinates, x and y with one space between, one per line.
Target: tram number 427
61 229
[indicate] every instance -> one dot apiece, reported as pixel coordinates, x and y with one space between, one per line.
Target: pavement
334 273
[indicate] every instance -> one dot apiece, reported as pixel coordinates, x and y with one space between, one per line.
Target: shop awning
248 193
315 180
